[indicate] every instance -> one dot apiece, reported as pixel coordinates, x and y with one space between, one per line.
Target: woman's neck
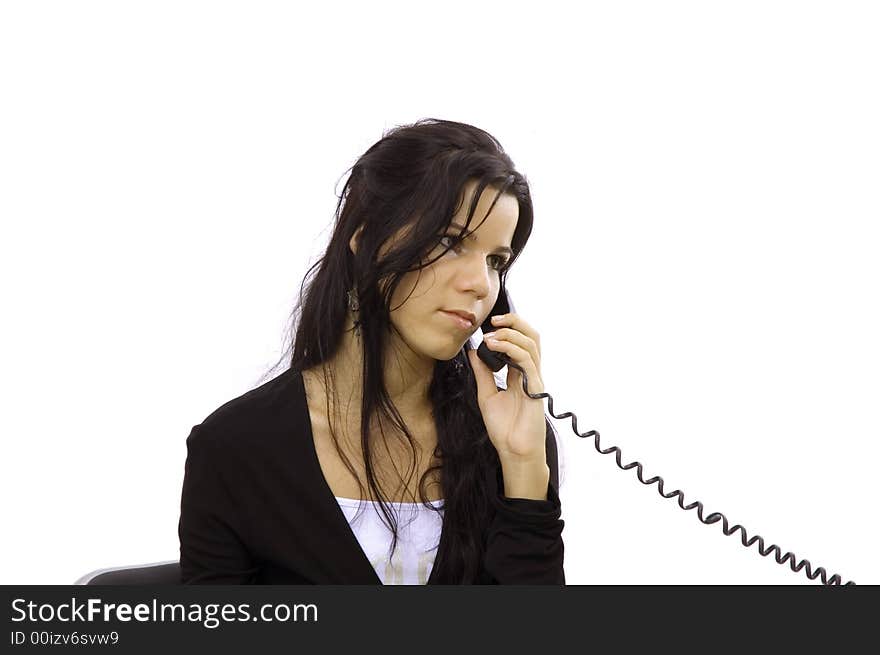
406 381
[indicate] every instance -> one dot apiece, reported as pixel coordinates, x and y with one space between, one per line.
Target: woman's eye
501 261
447 237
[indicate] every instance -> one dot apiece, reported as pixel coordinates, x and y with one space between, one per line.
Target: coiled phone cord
712 518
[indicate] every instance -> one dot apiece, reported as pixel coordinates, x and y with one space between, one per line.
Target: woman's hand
515 423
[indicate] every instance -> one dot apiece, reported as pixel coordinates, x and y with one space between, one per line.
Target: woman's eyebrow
471 235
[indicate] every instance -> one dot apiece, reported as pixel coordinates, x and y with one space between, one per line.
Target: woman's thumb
485 379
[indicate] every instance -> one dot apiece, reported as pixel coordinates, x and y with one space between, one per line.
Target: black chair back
139 574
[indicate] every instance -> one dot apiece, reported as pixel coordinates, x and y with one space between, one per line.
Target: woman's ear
353 242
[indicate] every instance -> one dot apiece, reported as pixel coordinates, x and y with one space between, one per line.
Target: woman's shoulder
259 420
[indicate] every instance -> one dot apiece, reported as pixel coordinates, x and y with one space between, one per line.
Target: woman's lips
462 323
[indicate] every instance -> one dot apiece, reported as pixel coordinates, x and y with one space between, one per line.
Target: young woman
385 406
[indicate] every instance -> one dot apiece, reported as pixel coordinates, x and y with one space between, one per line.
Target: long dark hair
413 176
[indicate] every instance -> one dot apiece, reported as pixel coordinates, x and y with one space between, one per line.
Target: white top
418 535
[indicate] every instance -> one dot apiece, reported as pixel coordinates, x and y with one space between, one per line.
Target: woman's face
467 278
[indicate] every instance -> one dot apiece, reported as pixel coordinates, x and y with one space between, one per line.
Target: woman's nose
475 274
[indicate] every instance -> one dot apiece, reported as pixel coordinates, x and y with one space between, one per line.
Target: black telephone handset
496 361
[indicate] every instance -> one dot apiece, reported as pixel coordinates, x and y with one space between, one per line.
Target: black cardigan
256 509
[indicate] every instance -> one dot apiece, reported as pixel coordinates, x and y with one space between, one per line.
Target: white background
703 268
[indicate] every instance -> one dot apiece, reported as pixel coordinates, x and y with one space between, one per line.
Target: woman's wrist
525 478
